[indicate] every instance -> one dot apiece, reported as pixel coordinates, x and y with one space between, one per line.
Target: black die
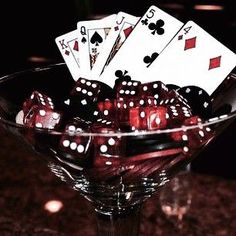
127 89
86 90
198 99
76 146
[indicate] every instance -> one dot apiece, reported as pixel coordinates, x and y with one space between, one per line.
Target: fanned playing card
91 36
147 40
122 28
69 48
193 57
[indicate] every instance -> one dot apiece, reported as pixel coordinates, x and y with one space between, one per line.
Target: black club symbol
144 22
157 27
149 59
122 75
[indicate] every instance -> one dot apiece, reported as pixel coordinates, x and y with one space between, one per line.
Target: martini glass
119 185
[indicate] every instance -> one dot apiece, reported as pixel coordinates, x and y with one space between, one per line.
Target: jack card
123 26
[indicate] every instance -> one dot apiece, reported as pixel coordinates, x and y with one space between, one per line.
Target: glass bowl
141 161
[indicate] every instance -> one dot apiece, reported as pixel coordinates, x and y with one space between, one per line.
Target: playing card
193 57
147 40
91 36
119 32
69 48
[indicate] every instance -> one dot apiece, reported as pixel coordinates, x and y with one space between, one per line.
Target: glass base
124 223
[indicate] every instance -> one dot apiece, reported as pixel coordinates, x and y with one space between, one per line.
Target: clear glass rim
206 123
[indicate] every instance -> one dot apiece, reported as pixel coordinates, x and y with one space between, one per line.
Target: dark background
29 28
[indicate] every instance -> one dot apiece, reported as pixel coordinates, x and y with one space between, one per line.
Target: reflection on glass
176 197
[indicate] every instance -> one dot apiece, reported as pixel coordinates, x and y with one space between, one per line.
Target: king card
69 48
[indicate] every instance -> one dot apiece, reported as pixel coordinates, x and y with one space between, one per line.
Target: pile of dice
93 107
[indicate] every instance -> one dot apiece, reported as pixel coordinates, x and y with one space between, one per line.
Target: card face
91 36
69 48
193 57
121 29
147 40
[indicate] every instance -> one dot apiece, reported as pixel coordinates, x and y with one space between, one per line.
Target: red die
173 98
107 146
199 135
123 106
148 118
37 99
39 111
176 114
193 136
122 110
41 118
156 89
107 109
143 101
47 119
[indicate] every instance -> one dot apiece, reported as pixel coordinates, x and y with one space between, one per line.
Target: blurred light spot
38 59
209 7
172 6
53 206
97 17
128 195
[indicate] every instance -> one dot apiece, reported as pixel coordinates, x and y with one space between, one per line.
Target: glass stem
123 224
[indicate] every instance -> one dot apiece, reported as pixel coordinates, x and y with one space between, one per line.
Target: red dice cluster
131 106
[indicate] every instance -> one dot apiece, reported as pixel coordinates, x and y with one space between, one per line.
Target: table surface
26 184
